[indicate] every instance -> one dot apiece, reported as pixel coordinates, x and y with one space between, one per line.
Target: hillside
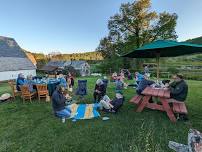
197 40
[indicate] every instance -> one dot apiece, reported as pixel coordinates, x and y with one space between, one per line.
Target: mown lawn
31 127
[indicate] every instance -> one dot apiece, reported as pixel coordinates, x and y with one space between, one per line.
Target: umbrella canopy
164 48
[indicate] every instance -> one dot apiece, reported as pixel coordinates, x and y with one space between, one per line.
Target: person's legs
106 98
104 104
100 96
63 113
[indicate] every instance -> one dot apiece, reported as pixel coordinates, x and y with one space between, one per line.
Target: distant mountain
197 40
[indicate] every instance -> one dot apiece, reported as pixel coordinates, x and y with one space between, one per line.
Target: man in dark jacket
143 84
99 91
58 103
178 88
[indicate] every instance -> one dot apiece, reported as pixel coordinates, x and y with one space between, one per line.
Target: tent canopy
165 48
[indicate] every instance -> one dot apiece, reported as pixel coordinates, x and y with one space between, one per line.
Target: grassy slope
31 127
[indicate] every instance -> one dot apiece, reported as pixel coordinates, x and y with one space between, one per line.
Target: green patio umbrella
164 48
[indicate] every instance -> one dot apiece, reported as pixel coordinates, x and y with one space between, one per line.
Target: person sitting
114 76
138 77
70 80
119 85
145 82
29 82
58 103
62 80
112 105
99 90
178 88
20 81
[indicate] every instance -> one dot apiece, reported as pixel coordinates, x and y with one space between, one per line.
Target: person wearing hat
99 90
58 103
178 88
112 105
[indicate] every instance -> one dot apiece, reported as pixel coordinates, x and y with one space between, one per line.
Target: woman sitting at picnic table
99 90
178 89
58 103
145 82
20 81
138 77
112 105
62 80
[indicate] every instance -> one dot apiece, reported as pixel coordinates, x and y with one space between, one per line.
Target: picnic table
51 85
163 95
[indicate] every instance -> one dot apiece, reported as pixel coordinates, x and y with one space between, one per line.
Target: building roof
49 68
31 58
9 48
75 64
15 64
12 57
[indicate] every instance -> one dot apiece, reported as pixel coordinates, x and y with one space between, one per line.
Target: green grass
31 127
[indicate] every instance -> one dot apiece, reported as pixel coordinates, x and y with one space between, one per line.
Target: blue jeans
65 113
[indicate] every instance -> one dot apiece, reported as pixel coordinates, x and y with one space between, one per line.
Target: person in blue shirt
29 82
143 84
20 81
139 77
62 81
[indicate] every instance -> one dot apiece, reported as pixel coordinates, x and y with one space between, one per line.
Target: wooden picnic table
163 95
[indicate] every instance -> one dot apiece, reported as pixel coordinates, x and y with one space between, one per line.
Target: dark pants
97 96
139 92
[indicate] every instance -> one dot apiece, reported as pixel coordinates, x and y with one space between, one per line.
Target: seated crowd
178 90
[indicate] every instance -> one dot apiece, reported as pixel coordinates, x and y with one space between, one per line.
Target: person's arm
21 82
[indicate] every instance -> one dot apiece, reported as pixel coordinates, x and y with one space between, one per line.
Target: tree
135 25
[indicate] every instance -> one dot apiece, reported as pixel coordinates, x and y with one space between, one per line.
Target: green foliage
135 25
173 70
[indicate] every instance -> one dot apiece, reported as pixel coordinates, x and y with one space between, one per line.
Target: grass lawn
31 127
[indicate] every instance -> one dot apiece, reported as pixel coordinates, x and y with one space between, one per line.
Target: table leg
168 110
143 104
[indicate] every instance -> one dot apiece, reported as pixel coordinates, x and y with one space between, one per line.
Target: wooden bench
136 99
179 107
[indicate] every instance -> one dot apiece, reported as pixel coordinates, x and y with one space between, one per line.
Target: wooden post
157 60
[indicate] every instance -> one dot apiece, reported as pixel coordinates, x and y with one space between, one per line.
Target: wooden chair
42 90
15 92
26 94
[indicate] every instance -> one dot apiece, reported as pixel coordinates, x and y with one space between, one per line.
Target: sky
73 26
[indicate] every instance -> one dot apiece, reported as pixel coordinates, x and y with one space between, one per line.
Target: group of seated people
67 82
178 87
105 103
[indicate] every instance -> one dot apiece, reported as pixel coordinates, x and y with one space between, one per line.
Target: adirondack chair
82 88
26 94
15 92
42 91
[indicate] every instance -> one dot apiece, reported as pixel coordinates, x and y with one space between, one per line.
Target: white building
13 60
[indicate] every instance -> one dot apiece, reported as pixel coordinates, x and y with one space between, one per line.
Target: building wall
8 75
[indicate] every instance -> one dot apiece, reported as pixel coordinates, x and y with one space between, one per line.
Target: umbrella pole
157 61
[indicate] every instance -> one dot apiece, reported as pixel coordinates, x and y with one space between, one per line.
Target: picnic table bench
163 95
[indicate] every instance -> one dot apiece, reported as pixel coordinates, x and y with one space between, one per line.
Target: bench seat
136 99
179 107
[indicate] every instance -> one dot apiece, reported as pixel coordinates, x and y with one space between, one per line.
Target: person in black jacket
58 103
99 90
178 88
